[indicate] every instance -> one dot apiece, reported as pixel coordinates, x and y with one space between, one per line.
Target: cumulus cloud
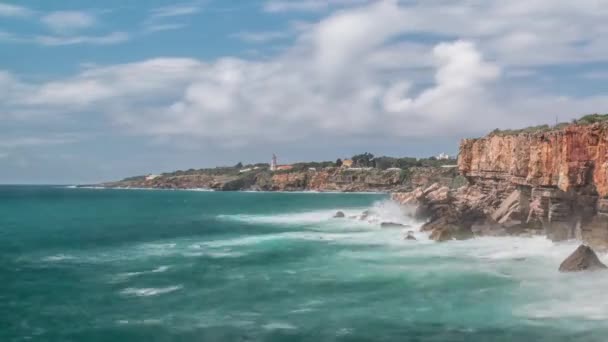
68 21
351 74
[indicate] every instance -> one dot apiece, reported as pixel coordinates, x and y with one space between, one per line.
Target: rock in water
440 235
364 215
339 214
410 236
583 259
391 225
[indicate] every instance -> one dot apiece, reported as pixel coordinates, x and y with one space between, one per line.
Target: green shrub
591 119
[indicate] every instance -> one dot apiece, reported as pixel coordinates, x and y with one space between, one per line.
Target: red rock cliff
567 159
560 178
552 182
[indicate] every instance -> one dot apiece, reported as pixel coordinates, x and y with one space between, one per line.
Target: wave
127 275
381 211
279 326
58 257
149 291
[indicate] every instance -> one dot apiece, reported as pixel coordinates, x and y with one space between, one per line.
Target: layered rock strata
553 183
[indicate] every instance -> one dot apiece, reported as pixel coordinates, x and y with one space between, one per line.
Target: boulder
339 214
364 215
441 235
583 259
410 236
451 232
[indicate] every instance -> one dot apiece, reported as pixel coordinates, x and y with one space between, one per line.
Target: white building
273 163
442 156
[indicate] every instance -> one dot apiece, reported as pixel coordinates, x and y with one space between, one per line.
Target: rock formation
552 182
326 179
583 259
339 214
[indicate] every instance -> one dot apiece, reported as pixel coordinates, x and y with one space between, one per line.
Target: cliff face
553 182
568 159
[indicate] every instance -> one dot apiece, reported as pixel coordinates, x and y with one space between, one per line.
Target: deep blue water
135 265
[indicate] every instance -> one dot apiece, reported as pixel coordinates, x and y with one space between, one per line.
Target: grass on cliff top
585 120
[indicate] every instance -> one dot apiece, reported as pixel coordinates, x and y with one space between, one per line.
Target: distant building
151 177
245 170
284 167
275 167
347 163
442 156
273 163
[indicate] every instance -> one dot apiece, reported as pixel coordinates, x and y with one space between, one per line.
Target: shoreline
221 191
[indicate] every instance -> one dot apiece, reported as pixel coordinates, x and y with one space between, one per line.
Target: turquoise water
130 265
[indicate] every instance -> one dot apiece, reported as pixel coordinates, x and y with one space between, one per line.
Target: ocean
137 265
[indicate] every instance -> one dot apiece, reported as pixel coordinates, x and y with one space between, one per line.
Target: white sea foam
127 275
381 211
279 326
542 292
140 322
58 258
298 218
150 291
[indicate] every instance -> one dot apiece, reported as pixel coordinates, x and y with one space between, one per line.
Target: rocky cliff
325 179
552 182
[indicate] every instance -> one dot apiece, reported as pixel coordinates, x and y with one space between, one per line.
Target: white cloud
174 11
352 74
150 28
262 36
109 39
68 21
17 142
596 75
8 10
273 6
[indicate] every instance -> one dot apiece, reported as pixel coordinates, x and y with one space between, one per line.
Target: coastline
243 191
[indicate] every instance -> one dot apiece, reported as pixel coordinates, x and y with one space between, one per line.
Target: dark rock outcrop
410 236
583 259
392 225
339 214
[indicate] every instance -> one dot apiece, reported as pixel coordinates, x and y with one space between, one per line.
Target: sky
94 91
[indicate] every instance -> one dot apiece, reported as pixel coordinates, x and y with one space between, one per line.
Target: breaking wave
150 291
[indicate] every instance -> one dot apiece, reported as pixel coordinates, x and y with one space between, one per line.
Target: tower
273 163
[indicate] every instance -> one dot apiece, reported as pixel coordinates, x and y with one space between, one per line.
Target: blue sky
94 91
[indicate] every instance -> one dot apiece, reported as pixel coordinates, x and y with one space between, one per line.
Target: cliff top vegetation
584 120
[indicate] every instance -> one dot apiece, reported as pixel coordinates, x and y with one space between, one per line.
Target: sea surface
136 265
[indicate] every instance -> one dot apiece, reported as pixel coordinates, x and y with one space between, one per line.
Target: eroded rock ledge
553 182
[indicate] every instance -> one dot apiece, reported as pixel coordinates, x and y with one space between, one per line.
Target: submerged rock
364 215
339 214
392 225
410 236
583 259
